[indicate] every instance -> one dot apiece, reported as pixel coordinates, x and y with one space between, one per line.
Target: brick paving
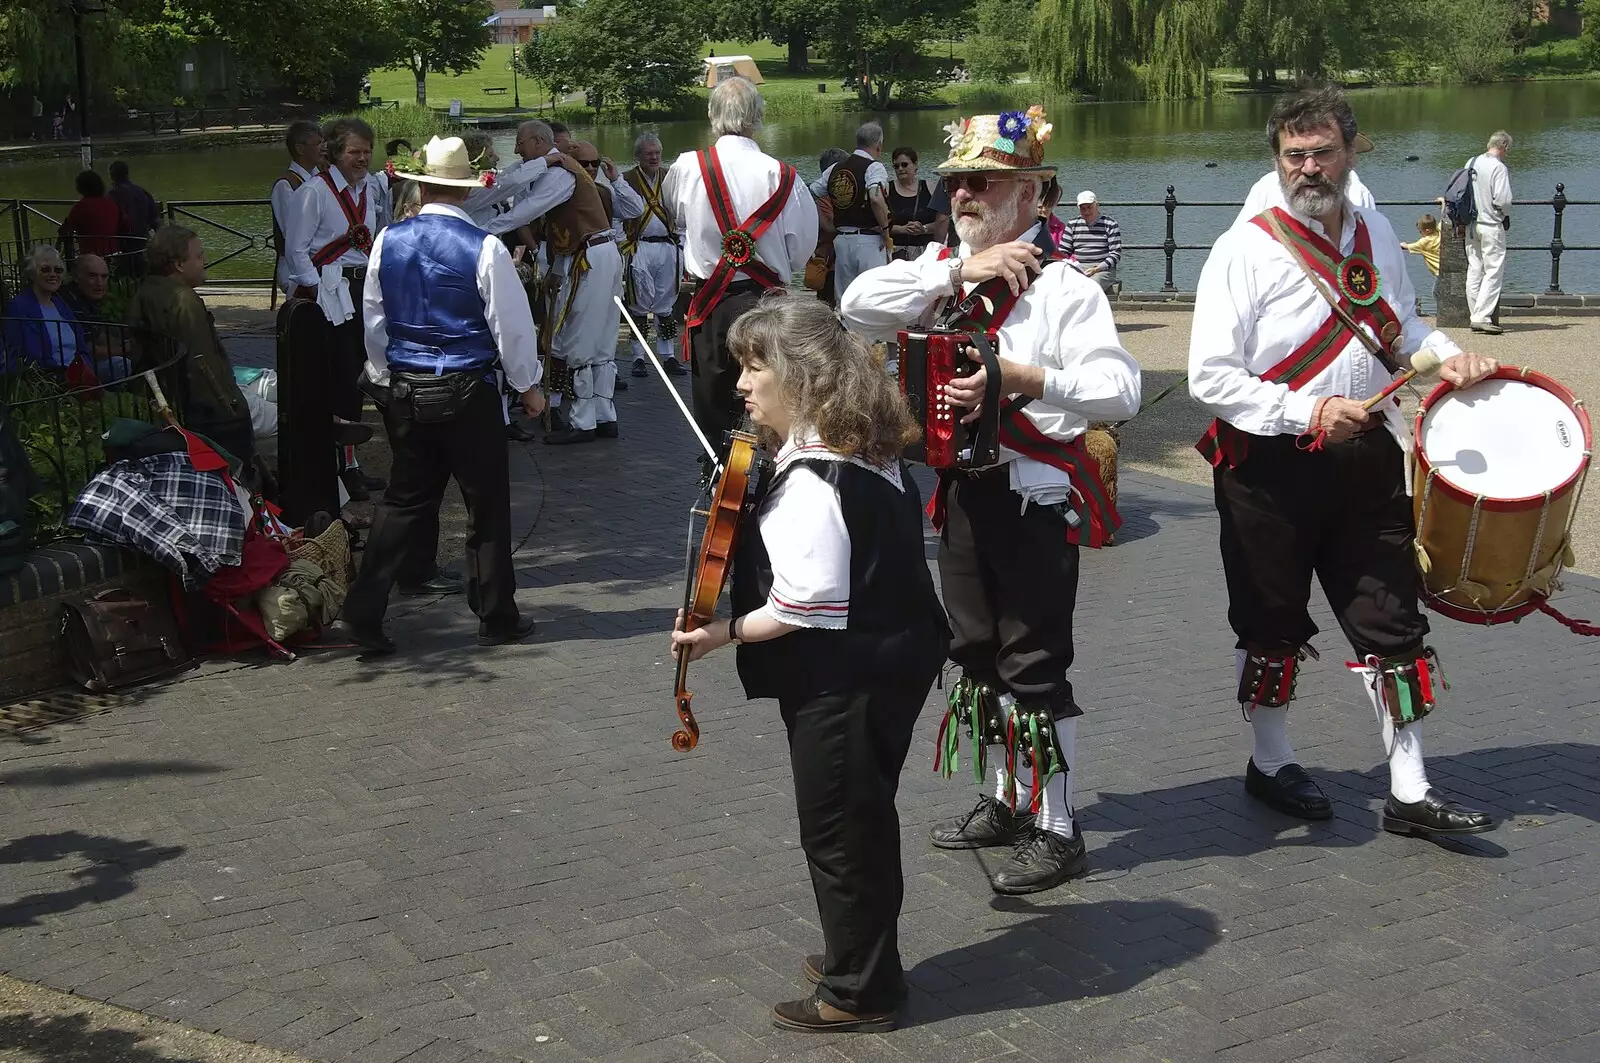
477 856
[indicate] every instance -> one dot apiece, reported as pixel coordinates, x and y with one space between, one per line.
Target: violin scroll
686 737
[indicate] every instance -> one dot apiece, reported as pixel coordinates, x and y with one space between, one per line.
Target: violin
730 501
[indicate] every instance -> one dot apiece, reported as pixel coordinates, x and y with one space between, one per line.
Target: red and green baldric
738 240
357 237
1356 279
986 309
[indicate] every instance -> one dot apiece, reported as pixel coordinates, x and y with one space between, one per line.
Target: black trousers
1340 513
846 751
347 357
1010 583
717 407
472 448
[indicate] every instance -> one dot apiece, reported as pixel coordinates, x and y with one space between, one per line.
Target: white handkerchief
1040 484
333 295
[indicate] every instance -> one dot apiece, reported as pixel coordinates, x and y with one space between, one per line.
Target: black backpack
18 483
1459 204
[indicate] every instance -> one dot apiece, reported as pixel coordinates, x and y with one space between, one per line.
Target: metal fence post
1171 245
1560 204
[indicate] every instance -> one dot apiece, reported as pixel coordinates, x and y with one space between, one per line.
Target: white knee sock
1055 808
1408 776
1271 730
999 781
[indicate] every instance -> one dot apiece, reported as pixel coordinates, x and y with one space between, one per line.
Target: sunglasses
51 269
589 164
976 183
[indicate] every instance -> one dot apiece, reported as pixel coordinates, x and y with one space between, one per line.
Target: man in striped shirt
1094 241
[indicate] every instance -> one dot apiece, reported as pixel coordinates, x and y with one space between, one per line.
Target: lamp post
516 94
81 8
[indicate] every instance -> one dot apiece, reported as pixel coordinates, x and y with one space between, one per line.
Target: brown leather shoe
812 968
814 1015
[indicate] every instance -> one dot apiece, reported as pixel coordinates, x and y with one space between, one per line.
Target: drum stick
665 379
1424 363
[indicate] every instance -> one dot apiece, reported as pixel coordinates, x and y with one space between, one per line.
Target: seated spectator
91 280
40 328
1094 241
201 387
94 224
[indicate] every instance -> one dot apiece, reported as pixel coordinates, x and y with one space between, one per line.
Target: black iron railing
61 413
246 256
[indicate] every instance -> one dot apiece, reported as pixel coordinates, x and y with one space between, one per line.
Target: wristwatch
955 276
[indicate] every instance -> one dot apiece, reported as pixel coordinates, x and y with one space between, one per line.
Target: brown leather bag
116 639
816 273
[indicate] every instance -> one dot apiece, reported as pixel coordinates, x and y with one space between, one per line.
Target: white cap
1086 197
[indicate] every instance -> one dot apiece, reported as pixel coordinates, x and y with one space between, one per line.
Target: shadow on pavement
70 1039
73 774
1093 950
113 864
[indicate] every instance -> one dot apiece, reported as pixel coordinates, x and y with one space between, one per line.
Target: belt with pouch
430 398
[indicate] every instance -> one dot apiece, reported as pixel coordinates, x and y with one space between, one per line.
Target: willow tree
1125 48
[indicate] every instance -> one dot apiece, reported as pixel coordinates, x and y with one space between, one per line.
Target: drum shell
1508 531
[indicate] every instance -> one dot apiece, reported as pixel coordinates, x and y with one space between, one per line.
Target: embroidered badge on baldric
1358 280
738 247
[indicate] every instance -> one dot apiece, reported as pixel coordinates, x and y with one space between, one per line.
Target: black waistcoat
896 628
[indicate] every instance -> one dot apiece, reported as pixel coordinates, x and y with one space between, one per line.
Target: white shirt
1268 192
751 177
316 219
1254 306
626 202
505 307
877 176
282 196
654 226
802 526
1062 322
378 180
484 204
549 190
1491 189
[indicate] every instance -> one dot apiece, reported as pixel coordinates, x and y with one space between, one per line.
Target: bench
33 654
501 91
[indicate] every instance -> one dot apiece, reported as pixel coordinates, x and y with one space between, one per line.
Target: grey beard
1313 201
983 232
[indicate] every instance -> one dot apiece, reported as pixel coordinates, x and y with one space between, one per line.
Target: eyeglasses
50 269
589 164
976 183
1322 156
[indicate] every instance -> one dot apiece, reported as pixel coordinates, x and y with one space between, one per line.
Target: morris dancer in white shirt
1268 192
835 615
655 259
622 204
1307 481
748 222
1009 534
858 188
584 256
333 219
303 140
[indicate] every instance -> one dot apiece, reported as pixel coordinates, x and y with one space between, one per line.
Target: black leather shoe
675 367
1434 814
639 369
518 433
349 434
371 483
521 630
1042 860
570 435
369 640
441 582
812 968
558 420
1291 791
989 824
351 478
605 430
813 1015
619 384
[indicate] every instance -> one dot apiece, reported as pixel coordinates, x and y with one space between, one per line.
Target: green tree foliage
437 35
1478 42
621 51
999 47
792 23
1591 33
880 45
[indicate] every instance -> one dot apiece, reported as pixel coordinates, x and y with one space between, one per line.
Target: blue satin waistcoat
428 271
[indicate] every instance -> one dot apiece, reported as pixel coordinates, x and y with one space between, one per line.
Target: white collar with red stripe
808 445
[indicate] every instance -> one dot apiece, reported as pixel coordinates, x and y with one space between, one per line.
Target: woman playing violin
834 615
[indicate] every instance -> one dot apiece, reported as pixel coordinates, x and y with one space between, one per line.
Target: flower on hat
1013 125
953 131
488 178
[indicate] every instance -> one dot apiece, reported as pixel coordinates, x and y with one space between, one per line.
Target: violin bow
662 373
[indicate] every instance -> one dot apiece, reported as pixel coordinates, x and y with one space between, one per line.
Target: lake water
1211 150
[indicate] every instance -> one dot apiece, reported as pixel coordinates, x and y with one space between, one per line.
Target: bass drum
1498 473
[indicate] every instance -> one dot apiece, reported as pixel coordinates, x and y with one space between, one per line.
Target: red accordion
930 360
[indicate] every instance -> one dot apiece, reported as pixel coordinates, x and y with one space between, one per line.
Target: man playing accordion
1301 316
1009 532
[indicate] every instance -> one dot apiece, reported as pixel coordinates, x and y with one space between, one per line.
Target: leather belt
851 230
599 238
658 239
354 274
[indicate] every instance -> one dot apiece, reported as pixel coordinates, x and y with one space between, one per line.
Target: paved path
465 856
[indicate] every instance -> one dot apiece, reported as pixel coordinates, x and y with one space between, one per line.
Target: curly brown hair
829 378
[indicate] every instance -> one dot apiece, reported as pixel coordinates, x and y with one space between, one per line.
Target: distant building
515 25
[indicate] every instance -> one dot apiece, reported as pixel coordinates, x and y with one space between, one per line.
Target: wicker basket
330 551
